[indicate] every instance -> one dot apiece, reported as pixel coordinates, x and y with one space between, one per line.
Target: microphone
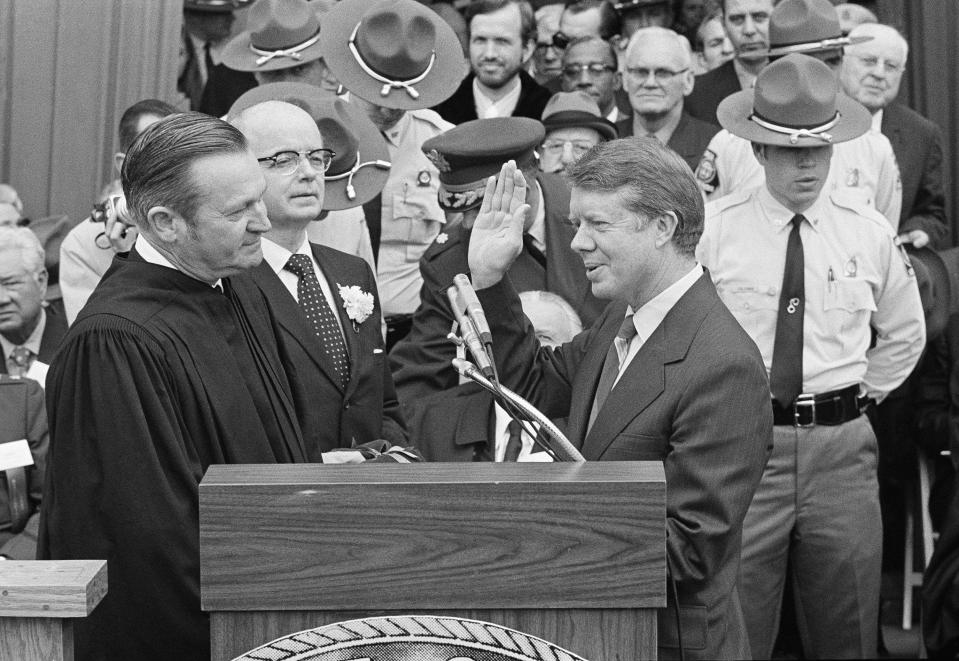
469 334
473 308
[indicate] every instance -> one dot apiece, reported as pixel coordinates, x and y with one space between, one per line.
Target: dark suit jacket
329 416
53 332
461 107
696 398
711 88
917 144
453 425
689 140
421 361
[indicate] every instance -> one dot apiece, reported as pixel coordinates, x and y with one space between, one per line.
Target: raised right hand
497 236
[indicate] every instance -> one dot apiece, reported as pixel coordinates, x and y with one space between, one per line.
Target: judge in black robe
160 376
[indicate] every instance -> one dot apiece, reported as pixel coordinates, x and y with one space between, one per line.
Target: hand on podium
497 236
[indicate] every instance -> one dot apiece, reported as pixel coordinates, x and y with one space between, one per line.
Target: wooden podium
572 553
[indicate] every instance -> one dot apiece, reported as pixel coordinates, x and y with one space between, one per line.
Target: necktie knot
797 220
628 330
299 265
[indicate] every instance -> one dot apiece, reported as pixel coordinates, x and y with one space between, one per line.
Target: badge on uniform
852 178
424 178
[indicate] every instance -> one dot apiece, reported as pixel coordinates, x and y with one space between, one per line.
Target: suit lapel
291 319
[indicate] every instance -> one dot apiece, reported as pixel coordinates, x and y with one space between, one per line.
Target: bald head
872 71
293 199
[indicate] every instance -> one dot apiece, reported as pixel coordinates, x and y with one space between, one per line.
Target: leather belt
829 408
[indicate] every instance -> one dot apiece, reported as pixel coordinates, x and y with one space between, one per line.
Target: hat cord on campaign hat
293 52
804 46
357 165
388 84
795 132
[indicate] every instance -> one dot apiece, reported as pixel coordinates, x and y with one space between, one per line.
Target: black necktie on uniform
317 311
786 378
515 442
611 368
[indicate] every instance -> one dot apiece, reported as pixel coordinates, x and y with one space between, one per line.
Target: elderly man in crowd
87 251
590 65
161 375
665 374
573 125
817 281
502 38
405 218
467 155
659 78
747 26
863 168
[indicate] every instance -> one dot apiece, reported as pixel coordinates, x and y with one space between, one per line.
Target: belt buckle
804 400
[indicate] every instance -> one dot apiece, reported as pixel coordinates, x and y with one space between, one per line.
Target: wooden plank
36 639
597 635
315 537
51 588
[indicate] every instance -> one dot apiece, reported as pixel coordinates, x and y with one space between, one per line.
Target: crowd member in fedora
465 424
574 124
323 302
502 37
747 25
281 43
467 156
812 277
206 81
863 168
659 78
397 58
665 374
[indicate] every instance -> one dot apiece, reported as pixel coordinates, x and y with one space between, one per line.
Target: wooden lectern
572 553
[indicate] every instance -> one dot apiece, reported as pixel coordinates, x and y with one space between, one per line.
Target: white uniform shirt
864 169
855 277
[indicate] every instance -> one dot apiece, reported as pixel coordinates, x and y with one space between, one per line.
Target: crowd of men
704 233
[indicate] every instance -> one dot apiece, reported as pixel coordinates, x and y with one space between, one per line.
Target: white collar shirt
487 108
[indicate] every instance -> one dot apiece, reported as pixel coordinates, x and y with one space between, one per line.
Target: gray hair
643 34
878 30
650 179
24 241
574 325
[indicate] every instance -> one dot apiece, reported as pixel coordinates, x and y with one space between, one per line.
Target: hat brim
368 181
238 56
735 110
814 46
449 66
929 263
218 7
575 119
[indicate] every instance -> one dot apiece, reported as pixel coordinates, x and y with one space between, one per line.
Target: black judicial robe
160 376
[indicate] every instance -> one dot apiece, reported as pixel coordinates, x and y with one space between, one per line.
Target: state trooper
864 168
810 273
397 59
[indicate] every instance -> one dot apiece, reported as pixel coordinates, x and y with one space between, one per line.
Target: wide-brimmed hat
393 53
935 290
796 103
626 5
466 155
806 26
361 166
577 109
280 34
216 6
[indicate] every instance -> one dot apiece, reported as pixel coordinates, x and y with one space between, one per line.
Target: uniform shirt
82 264
411 216
855 277
345 230
864 169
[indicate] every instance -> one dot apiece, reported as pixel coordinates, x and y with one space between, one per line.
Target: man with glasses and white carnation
658 79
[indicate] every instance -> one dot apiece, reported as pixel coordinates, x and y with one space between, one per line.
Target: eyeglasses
556 147
594 69
287 162
871 62
661 75
561 41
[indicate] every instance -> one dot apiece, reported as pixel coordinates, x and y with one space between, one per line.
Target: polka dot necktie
317 311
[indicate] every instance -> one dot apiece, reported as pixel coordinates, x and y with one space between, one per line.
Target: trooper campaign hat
280 34
468 154
806 26
392 53
361 164
576 109
796 103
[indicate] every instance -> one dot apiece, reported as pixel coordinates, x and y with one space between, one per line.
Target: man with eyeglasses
546 62
573 125
590 65
658 79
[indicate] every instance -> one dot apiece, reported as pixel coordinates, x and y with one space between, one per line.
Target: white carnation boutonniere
358 304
